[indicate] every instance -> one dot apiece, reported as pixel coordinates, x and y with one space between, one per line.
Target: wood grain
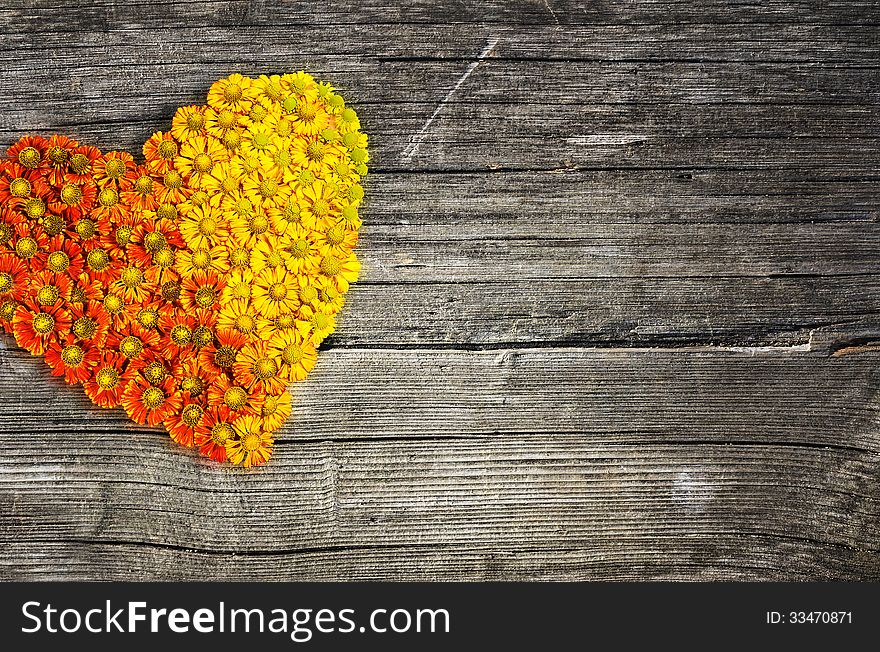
618 317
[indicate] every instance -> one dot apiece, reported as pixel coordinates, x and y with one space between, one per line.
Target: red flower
37 327
90 322
29 151
71 359
151 404
106 382
182 423
14 277
81 164
58 152
214 429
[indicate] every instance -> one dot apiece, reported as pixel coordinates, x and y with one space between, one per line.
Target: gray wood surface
618 316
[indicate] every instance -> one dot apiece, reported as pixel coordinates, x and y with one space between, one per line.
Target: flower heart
194 288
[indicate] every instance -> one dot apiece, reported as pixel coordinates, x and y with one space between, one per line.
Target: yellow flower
275 410
309 115
299 82
336 240
320 207
237 315
238 286
295 351
268 254
260 141
329 300
251 445
220 182
284 218
314 155
233 93
203 226
266 190
269 88
341 270
274 292
302 253
203 259
220 121
320 324
198 156
188 122
250 229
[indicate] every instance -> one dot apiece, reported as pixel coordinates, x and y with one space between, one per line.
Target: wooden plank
600 459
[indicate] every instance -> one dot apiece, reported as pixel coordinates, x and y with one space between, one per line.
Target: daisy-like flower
285 218
103 267
75 200
309 115
115 170
49 289
151 404
237 315
132 284
265 189
188 122
275 292
220 183
197 158
160 150
248 230
336 240
183 423
320 324
17 183
177 329
14 279
261 141
239 286
58 153
276 409
253 445
269 89
29 151
81 164
303 257
90 322
37 327
296 352
71 359
268 254
203 226
232 94
132 340
201 291
150 236
214 430
194 379
30 246
121 313
342 270
142 194
149 314
220 355
107 379
329 299
203 259
171 188
258 365
109 205
240 400
218 122
64 257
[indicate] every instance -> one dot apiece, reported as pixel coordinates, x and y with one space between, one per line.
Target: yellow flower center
270 406
278 291
71 194
283 322
163 258
207 226
244 324
86 228
300 248
201 259
192 414
320 208
232 140
235 398
241 290
108 197
58 155
148 317
5 282
113 304
224 356
195 121
261 141
258 113
291 354
307 111
155 373
273 259
308 294
35 208
72 355
193 384
43 323
226 120
229 185
132 278
167 212
153 397
173 180
26 247
258 225
251 442
265 368
155 241
115 168
320 321
331 266
107 378
48 295
53 224
20 187
167 149
232 92
334 235
143 185
315 151
202 336
123 235
97 260
221 432
181 335
58 262
240 258
85 328
29 157
205 297
131 346
171 291
7 310
199 198
80 163
202 163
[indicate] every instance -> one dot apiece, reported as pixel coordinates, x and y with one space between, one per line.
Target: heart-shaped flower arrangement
194 288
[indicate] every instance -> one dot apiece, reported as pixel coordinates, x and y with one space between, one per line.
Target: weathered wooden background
618 317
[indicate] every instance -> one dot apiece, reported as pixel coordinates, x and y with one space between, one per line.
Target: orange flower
115 170
220 355
214 430
182 423
107 379
240 400
71 359
150 404
37 327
